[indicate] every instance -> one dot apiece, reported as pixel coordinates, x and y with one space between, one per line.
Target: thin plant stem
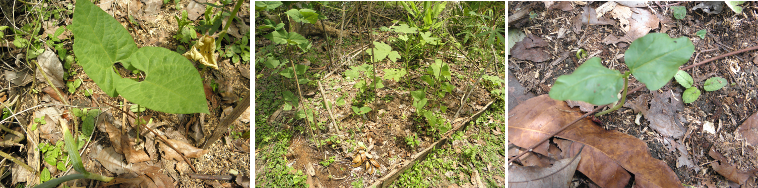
623 99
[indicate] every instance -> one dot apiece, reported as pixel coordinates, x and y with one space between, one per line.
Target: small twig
211 177
229 119
331 115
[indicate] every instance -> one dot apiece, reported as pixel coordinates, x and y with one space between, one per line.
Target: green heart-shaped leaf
655 58
591 82
171 83
715 83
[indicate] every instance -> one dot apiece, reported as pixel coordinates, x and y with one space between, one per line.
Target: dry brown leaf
662 114
558 175
531 48
49 62
188 150
633 3
589 17
623 14
563 5
540 116
603 170
105 124
749 130
195 9
727 170
640 24
132 155
111 160
602 9
50 131
583 106
639 104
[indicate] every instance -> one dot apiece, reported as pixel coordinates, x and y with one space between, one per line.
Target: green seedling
693 93
653 60
361 110
701 33
734 5
38 121
72 86
581 54
412 140
171 83
327 162
429 14
76 161
679 12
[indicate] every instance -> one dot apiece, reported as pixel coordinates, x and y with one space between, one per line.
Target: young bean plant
653 60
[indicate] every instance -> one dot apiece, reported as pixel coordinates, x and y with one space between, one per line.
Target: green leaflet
684 79
690 95
714 83
591 82
655 58
171 83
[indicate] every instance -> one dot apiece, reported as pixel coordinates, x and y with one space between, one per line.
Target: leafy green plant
412 140
76 161
653 60
171 83
693 93
327 162
239 51
438 77
679 12
361 110
88 118
429 14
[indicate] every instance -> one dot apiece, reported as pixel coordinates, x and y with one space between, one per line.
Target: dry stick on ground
161 137
531 148
228 120
394 174
331 115
300 102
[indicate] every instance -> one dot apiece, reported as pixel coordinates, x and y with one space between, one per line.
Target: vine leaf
100 41
655 58
591 82
171 84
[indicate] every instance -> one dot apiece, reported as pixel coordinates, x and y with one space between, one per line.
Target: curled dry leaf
640 24
558 175
52 66
588 17
727 170
132 155
583 106
204 51
530 48
105 124
538 117
111 160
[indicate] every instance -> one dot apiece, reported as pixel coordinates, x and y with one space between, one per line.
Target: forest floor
32 25
714 122
290 151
